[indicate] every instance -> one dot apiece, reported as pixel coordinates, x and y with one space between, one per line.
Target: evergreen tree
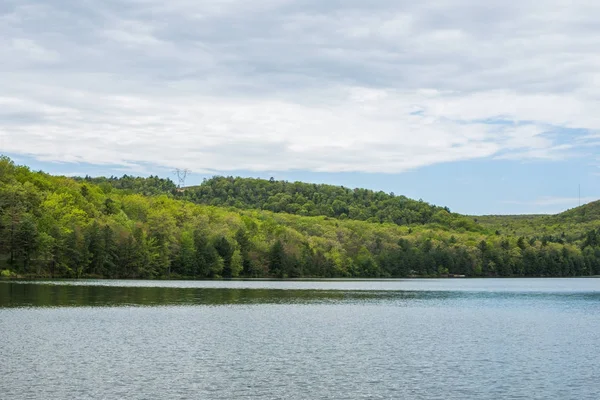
277 259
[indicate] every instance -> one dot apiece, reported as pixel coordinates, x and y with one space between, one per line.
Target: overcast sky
484 106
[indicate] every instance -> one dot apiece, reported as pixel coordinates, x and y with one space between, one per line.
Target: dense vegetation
145 228
567 227
299 198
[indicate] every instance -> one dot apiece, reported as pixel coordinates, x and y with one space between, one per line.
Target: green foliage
299 198
237 263
277 259
152 185
230 227
6 273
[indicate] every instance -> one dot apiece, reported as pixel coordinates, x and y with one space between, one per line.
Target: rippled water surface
333 339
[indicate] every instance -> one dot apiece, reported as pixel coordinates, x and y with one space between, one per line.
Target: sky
485 107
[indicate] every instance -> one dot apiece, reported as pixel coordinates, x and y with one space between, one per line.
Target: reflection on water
427 285
33 295
119 293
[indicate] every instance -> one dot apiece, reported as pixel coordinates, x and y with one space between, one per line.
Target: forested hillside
144 228
568 226
299 198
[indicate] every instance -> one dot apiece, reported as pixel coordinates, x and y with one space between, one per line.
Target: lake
325 339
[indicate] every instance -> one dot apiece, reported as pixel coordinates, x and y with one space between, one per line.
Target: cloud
277 85
31 50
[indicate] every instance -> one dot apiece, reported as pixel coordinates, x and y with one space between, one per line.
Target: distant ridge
585 213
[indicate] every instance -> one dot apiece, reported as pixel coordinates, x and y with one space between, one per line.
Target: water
413 339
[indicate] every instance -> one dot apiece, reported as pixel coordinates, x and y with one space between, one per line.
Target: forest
147 228
298 198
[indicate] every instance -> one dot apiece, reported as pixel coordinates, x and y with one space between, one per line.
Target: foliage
6 273
299 198
144 228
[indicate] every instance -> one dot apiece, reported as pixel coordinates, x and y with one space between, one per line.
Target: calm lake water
327 339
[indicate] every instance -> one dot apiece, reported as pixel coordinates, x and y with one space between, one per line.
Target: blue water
335 339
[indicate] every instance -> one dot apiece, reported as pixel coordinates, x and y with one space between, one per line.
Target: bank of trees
142 228
300 198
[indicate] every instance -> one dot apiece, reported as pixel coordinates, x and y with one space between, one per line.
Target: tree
186 264
45 252
77 253
11 222
245 246
277 259
237 263
110 207
209 263
225 251
366 265
27 241
96 249
162 228
110 261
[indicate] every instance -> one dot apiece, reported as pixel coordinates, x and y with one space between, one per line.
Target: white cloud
278 85
30 50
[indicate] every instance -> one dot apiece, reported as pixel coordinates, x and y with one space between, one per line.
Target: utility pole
181 175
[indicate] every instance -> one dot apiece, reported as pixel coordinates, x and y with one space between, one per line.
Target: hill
299 198
568 226
144 228
586 213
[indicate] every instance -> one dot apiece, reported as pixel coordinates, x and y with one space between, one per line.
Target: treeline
150 186
300 198
313 199
62 227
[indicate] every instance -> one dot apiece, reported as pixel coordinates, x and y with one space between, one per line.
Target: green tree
237 263
225 251
27 241
277 259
